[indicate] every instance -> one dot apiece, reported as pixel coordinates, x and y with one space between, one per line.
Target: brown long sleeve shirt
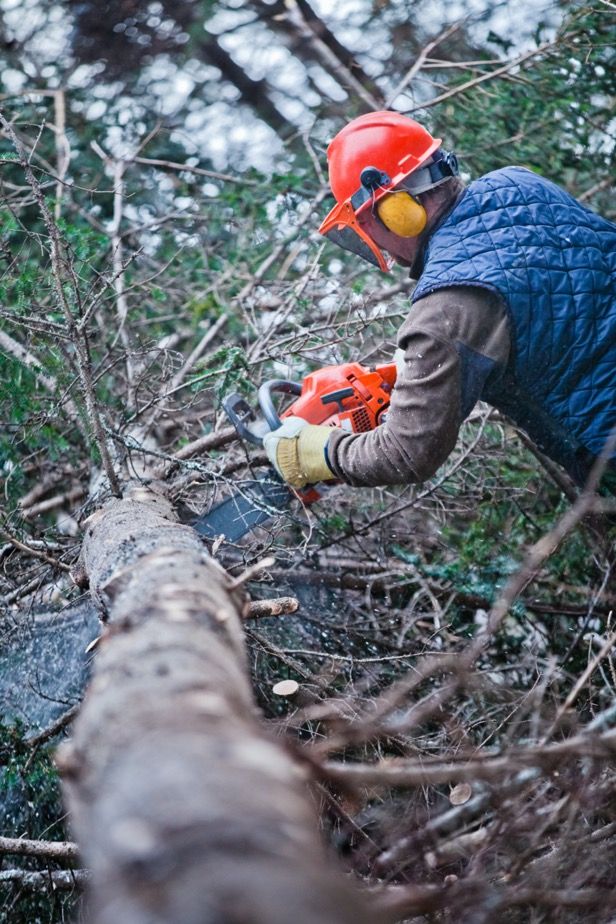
454 340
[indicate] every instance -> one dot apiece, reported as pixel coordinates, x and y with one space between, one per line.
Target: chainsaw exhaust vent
361 420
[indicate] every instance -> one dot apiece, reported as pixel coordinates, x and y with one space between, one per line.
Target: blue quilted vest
553 262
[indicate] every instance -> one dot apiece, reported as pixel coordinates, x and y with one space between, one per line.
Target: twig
397 903
13 348
556 473
46 483
430 489
459 665
268 646
458 848
597 187
478 80
63 148
117 168
586 674
35 553
262 269
198 351
249 572
203 444
492 766
198 171
52 730
417 65
177 381
543 549
23 591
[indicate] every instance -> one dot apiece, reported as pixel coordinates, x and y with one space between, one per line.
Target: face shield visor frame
341 227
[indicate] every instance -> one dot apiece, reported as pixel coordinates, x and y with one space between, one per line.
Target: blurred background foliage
180 147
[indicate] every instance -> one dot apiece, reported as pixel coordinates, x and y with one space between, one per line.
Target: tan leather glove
297 452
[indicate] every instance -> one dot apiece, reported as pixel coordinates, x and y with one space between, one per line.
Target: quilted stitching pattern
554 263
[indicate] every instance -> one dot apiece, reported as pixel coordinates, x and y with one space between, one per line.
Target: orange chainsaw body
350 396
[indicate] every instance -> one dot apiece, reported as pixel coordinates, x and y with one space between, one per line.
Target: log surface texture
185 810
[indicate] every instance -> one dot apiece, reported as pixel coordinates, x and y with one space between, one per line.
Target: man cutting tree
515 304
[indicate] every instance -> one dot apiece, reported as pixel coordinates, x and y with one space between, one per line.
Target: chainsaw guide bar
256 503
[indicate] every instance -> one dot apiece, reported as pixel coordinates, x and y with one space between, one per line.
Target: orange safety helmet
368 159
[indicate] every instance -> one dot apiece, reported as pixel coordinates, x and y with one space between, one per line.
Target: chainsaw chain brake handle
243 417
266 402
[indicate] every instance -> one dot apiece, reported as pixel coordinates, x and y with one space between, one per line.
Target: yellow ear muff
402 214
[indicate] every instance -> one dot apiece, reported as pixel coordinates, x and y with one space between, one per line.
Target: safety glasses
341 227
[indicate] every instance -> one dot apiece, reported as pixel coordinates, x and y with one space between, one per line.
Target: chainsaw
350 396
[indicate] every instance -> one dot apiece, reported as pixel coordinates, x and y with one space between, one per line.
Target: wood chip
460 793
285 688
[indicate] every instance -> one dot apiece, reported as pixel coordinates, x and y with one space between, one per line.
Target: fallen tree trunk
184 809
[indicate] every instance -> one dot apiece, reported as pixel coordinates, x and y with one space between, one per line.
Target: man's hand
297 452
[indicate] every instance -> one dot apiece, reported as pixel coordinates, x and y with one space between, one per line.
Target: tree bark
183 807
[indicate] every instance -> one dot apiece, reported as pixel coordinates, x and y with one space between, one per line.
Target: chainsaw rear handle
266 401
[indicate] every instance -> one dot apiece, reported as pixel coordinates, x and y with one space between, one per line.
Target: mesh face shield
342 228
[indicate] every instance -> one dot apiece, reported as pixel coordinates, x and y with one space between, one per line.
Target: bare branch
476 81
77 336
419 62
56 850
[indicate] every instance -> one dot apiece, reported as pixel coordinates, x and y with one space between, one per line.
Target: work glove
297 452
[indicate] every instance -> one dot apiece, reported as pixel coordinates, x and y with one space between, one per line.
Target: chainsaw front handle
266 401
243 417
